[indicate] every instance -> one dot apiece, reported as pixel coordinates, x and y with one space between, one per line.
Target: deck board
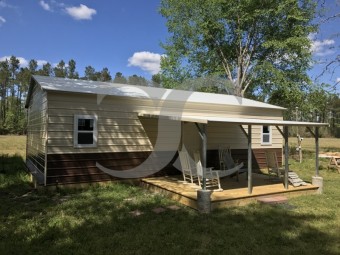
234 192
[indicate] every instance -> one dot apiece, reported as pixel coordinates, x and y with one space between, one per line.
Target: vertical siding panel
37 130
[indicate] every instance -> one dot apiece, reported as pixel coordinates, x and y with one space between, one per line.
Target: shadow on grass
13 178
98 221
11 164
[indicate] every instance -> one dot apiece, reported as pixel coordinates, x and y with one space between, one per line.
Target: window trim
269 134
76 131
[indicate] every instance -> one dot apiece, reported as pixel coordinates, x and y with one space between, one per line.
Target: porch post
316 151
203 195
285 131
317 180
204 156
181 141
250 176
202 132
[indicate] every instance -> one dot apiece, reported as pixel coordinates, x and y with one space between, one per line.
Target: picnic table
334 162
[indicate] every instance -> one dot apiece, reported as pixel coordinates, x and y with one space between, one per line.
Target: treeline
316 105
69 71
14 83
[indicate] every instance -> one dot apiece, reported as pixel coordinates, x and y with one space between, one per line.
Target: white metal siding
36 128
120 129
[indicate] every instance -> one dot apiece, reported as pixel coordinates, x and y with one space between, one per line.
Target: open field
13 145
98 220
326 144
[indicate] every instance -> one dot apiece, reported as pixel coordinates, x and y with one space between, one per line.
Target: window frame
269 134
76 131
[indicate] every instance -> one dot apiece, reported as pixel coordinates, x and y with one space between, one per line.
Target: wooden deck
235 193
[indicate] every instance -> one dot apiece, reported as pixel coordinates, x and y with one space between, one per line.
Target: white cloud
22 61
337 79
147 61
2 20
3 4
58 4
41 62
81 12
321 48
45 5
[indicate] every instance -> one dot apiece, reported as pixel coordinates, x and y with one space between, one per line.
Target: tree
330 64
137 80
23 78
90 74
46 70
14 64
14 83
261 46
60 70
71 70
4 82
156 80
10 98
210 84
32 66
119 78
105 75
335 116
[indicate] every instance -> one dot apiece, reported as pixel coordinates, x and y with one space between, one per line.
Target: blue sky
97 33
123 36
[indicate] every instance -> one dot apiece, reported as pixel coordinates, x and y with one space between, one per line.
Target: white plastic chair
189 171
212 176
273 165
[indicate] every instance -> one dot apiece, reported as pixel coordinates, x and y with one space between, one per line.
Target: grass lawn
98 220
326 144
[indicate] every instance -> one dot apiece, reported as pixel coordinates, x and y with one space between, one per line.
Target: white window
85 131
266 136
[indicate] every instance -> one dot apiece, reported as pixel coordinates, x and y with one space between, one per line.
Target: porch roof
239 121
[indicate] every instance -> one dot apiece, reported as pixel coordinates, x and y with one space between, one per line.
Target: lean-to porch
234 192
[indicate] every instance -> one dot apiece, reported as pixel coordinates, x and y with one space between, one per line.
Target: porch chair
273 165
212 176
275 170
189 170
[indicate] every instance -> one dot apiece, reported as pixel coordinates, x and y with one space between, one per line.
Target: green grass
13 145
308 144
97 220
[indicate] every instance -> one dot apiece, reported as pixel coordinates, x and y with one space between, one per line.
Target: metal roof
125 90
240 121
